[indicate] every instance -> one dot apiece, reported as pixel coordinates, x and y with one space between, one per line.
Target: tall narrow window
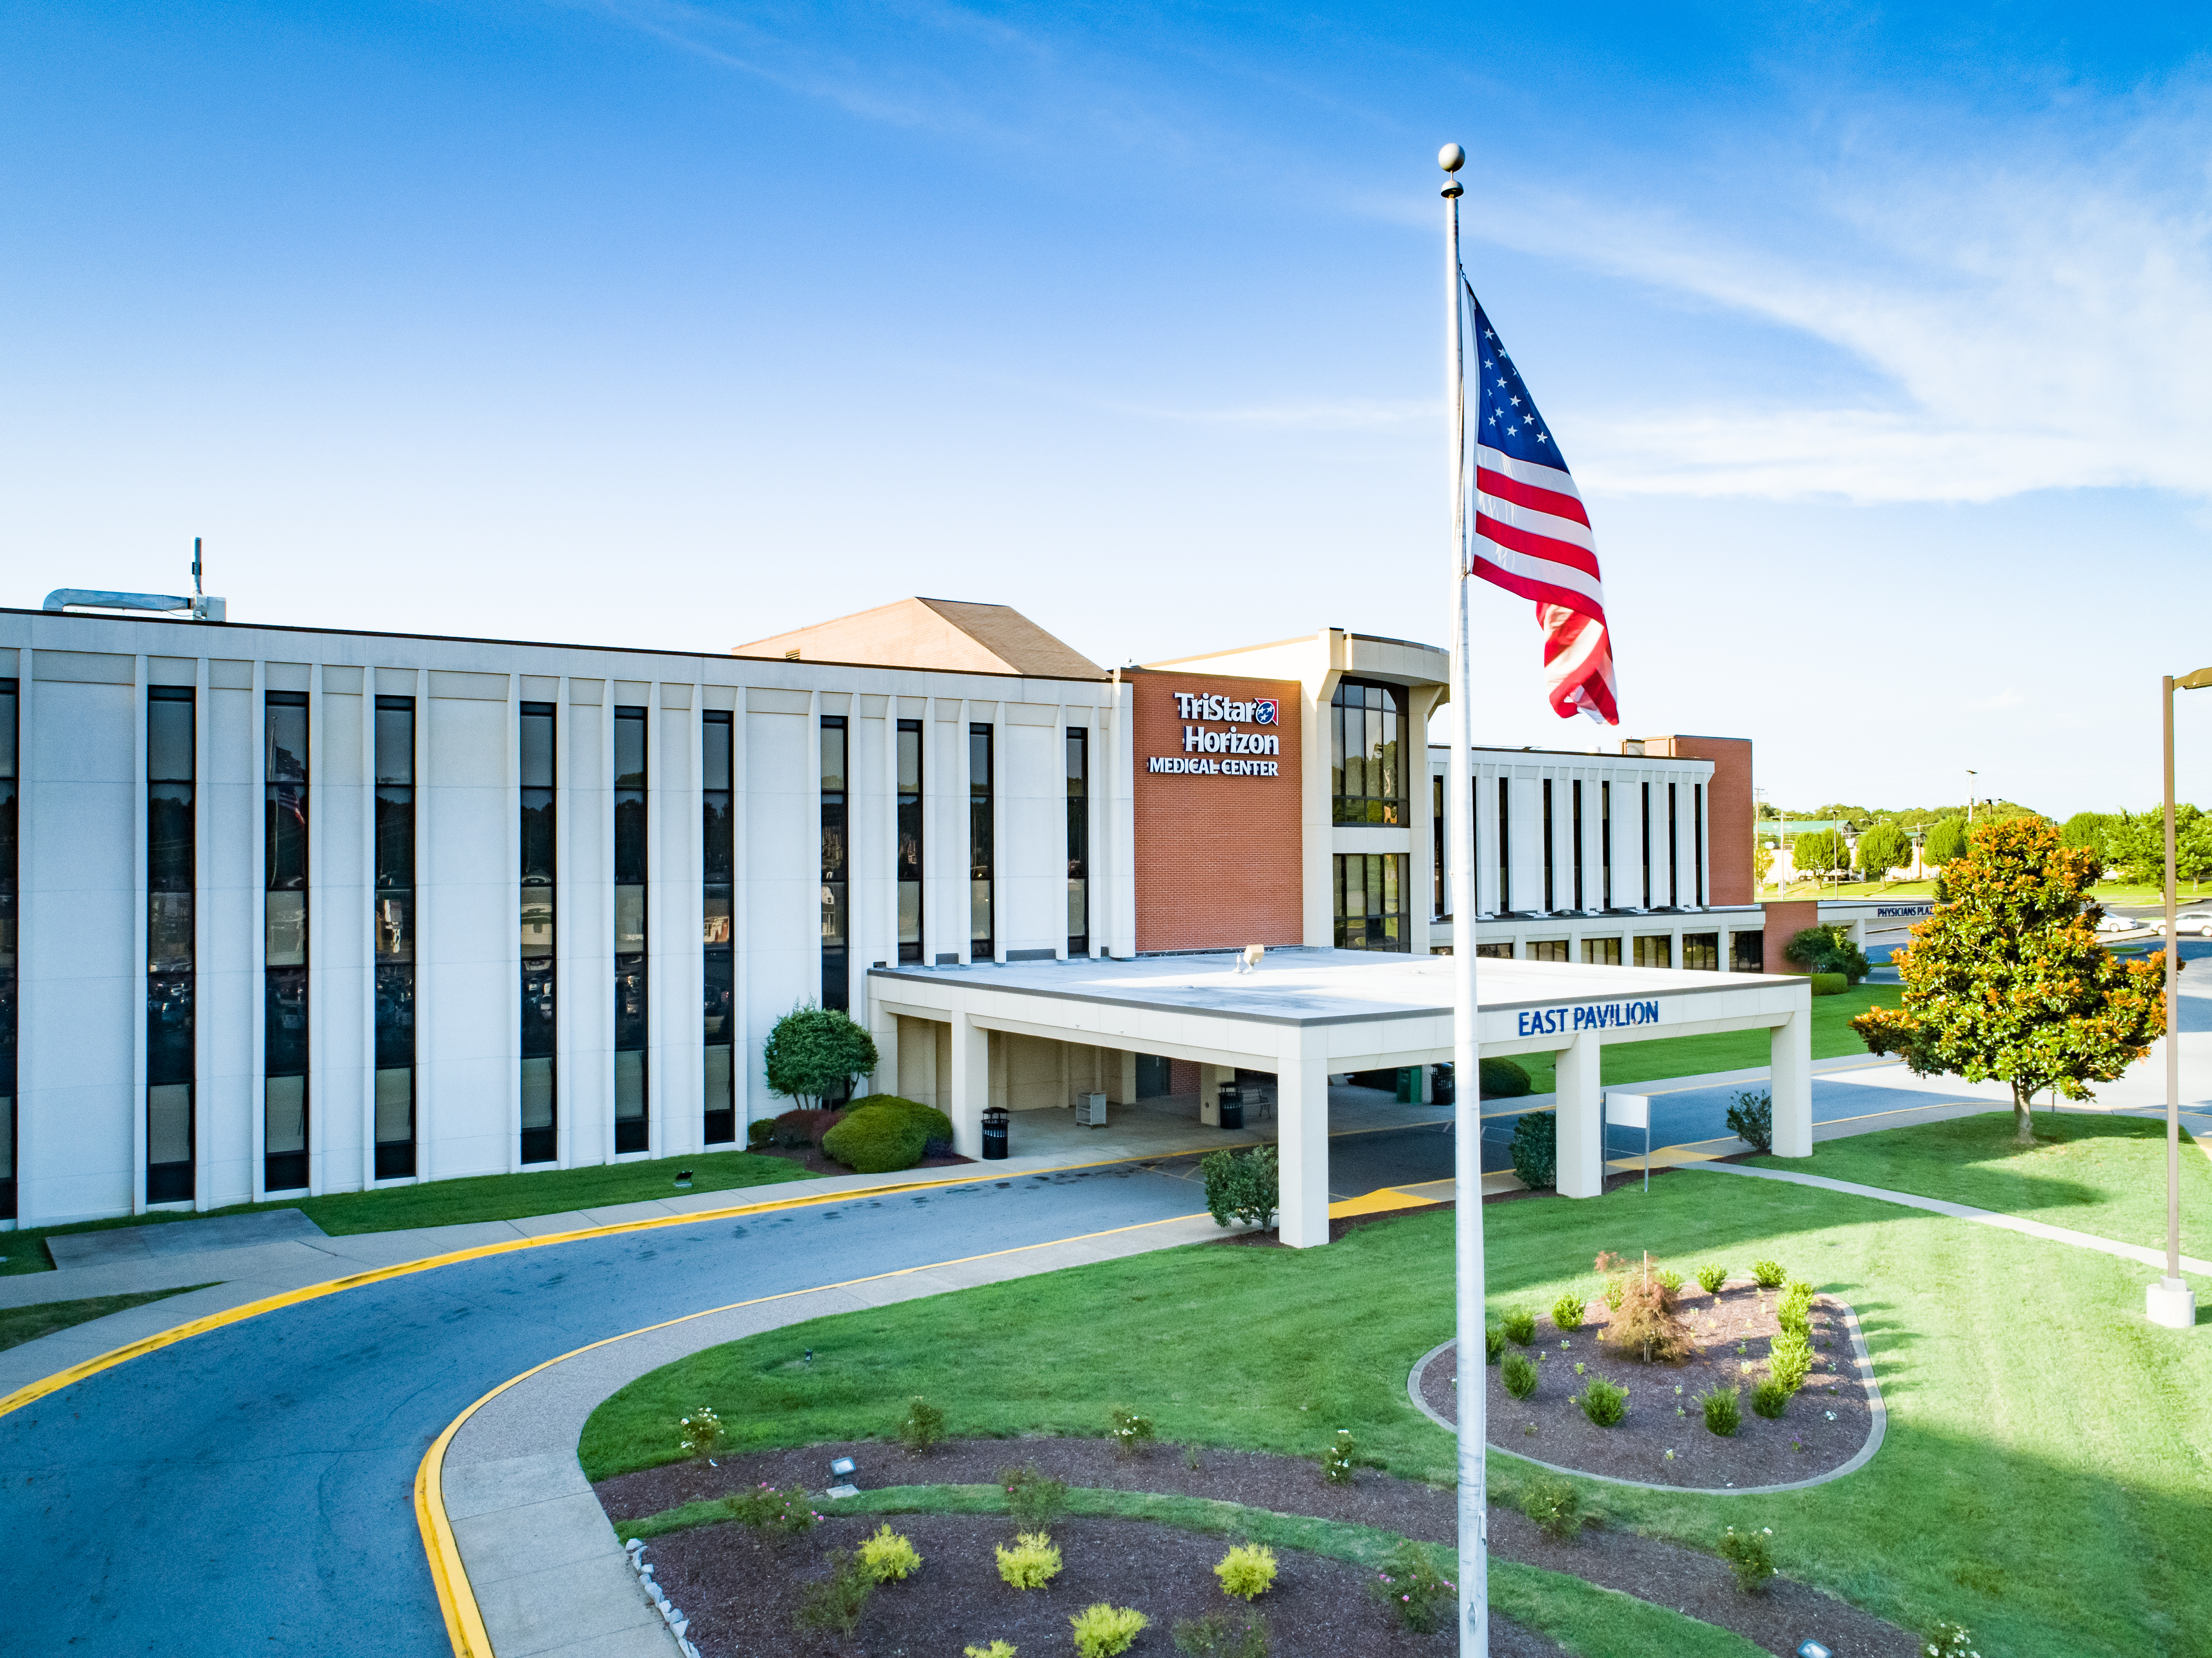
1504 847
1370 901
169 943
1366 765
717 842
1550 843
395 936
1644 822
909 840
284 962
1674 854
1697 843
1604 838
1578 842
982 939
1437 849
538 916
1078 842
836 922
8 905
633 1132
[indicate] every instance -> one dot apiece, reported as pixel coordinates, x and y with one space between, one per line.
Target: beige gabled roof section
934 633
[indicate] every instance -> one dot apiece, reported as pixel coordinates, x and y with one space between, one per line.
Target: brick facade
1784 923
1219 855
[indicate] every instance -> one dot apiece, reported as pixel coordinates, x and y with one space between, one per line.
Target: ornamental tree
2007 979
816 1054
1882 849
1819 852
1947 841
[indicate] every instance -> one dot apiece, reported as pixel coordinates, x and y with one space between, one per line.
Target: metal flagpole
1467 1078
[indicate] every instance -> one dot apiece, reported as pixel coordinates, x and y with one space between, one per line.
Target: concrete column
1122 1077
1790 1055
1302 1142
1579 1110
1210 1079
971 1083
884 1027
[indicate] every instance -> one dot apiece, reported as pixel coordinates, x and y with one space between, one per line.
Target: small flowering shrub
990 1649
1769 1398
835 1602
1949 1640
1789 1361
923 1425
1556 1507
1567 1311
1723 1412
1032 1561
1493 1343
1336 1462
699 1433
1247 1572
1240 1634
1712 1278
1519 1375
1102 1629
1603 1403
1520 1325
766 1509
1130 1432
1034 1499
1749 1553
1767 1274
887 1557
1412 1591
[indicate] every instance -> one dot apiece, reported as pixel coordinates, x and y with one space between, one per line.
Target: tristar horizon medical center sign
1210 753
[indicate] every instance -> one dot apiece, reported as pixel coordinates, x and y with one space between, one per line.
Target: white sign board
1628 1110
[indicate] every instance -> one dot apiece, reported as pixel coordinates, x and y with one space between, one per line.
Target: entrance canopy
1304 1014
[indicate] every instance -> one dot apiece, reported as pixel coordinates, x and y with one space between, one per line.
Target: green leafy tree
1882 849
1828 949
2007 980
2089 830
1946 841
816 1054
1819 853
2134 844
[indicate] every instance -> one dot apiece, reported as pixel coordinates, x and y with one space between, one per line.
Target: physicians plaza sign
1230 753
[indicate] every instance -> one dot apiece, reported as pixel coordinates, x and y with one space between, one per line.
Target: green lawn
20 1324
1731 1050
448 1202
2104 1175
2035 1418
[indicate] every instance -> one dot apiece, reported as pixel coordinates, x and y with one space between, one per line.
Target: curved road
250 1490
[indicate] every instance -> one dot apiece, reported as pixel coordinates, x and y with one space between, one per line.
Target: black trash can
1231 1099
994 1134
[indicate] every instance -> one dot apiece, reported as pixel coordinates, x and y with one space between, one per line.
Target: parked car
2198 921
2110 922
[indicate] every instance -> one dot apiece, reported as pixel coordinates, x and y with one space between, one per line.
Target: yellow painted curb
1383 1198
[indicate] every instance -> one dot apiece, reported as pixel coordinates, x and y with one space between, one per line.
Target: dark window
1655 951
10 890
1602 952
1697 845
1495 952
171 851
1701 951
1674 852
1437 850
536 918
1578 843
837 910
1547 949
1078 841
1748 952
1644 817
1367 764
718 859
1504 845
1370 901
284 993
981 936
1604 838
633 1127
1550 843
909 856
394 901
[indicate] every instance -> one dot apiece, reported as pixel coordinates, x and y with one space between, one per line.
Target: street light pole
1970 798
2170 1301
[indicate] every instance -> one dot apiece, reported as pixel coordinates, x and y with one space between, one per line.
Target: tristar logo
1205 705
1199 743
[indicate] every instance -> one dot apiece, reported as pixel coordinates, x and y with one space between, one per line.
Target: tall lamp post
2170 1301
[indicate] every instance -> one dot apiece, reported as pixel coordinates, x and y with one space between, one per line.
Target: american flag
1531 535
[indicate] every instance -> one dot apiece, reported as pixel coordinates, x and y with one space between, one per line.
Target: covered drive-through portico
1304 1014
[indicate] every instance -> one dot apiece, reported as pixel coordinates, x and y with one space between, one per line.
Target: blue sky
1875 336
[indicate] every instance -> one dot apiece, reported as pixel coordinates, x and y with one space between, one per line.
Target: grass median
2034 1415
20 1324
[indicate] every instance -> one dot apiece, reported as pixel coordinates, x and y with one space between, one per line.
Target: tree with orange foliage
2007 979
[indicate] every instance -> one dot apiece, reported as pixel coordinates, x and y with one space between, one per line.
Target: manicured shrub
1749 1553
1724 1411
816 1053
1247 1572
1102 1629
1670 1281
1567 1311
760 1132
1412 1591
1603 1403
887 1557
990 1649
1751 1119
1519 1325
1535 1150
1767 1273
1770 1398
1789 1361
835 1602
1337 1466
1493 1343
933 1123
766 1509
923 1425
1032 1561
699 1433
876 1140
1129 1432
1555 1505
1829 984
1240 1634
1712 1279
1645 1325
1034 1500
1503 1079
1241 1186
1519 1375
795 1131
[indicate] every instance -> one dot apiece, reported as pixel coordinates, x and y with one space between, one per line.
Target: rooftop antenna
196 569
199 606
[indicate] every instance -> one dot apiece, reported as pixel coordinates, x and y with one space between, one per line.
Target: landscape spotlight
842 1468
1812 1650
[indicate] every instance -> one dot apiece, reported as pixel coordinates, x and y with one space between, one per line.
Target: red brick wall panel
1784 923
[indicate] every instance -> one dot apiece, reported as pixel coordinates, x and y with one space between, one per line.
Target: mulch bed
1652 1569
742 1592
1731 1330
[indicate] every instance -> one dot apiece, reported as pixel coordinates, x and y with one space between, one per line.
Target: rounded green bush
934 1123
1829 984
1502 1079
1567 1311
1536 1149
1519 1375
876 1140
1519 1325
